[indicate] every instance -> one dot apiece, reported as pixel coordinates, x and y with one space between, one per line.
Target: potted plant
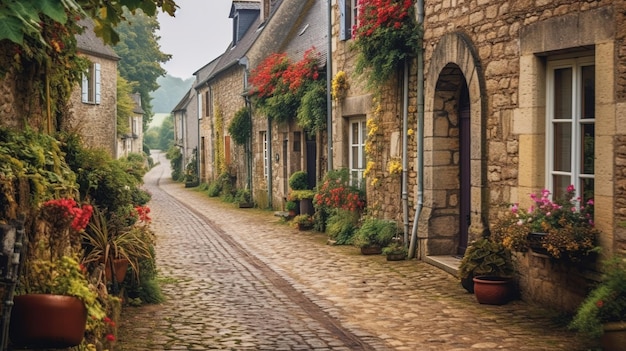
488 265
603 313
109 241
374 234
244 198
53 283
396 251
291 207
561 229
303 221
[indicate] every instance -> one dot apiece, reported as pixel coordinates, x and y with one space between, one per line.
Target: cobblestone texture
240 279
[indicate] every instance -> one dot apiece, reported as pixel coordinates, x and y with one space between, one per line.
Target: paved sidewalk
407 305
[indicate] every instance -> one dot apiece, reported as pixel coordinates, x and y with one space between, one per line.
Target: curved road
240 279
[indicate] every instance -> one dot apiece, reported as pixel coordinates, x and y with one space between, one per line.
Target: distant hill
171 90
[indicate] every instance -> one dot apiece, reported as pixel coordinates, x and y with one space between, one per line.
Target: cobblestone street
241 279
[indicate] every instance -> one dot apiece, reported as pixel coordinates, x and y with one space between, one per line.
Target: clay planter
47 321
120 266
371 250
492 290
614 337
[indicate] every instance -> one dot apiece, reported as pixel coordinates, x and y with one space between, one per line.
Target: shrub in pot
375 233
491 263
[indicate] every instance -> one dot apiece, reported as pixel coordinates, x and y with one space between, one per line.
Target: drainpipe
248 147
329 74
269 161
420 128
405 150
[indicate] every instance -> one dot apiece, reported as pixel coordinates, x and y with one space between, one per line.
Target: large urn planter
120 266
47 321
490 290
614 336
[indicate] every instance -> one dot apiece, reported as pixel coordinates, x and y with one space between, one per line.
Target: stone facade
485 123
96 122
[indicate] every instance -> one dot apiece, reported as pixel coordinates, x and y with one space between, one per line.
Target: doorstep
448 263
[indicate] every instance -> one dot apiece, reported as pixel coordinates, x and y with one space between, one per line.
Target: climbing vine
218 146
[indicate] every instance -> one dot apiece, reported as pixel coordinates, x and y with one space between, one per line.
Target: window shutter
84 86
344 20
97 83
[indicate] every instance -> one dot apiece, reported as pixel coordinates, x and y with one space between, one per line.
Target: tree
141 57
166 133
38 42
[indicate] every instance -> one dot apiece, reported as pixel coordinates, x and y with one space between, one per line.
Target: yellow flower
339 86
368 168
374 181
410 132
394 167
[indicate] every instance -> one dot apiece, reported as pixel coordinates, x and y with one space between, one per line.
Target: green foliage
341 226
299 181
243 196
605 303
298 195
486 257
222 186
291 205
240 128
141 56
312 112
105 181
166 133
176 162
125 105
36 159
375 231
151 139
395 248
386 35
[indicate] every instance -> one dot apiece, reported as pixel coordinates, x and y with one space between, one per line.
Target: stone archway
453 89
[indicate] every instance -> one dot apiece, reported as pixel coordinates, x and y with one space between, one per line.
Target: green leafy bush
299 181
375 231
341 226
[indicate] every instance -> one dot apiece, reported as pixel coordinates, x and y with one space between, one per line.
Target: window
571 126
136 126
358 133
90 87
348 15
265 158
208 100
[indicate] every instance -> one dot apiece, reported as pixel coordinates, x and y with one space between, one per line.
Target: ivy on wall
218 142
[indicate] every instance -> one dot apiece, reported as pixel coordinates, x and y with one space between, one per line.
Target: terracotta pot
614 337
492 290
47 321
120 265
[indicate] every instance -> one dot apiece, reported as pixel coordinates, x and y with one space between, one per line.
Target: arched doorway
455 192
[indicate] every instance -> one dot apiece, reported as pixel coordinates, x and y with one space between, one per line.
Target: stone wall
96 123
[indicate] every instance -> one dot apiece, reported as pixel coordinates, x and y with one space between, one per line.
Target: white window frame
265 157
575 173
356 173
90 86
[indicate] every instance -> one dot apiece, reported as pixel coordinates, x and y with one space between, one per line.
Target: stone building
132 142
276 150
519 96
94 102
185 115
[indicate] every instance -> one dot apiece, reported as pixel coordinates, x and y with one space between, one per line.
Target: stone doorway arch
453 147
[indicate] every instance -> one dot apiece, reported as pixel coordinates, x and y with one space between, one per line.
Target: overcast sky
200 32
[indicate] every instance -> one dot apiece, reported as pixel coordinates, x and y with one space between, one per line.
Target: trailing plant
605 303
240 127
339 86
284 89
567 222
386 35
176 162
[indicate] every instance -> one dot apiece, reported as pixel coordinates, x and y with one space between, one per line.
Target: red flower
600 303
110 337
